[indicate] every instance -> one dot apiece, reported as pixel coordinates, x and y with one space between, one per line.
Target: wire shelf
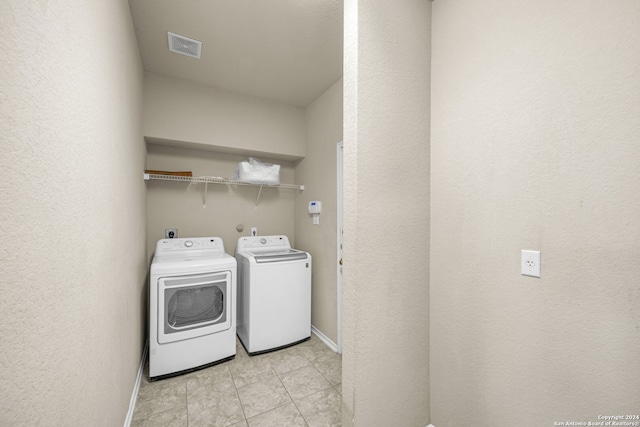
218 180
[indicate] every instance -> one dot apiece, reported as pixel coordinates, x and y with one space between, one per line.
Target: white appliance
192 302
274 293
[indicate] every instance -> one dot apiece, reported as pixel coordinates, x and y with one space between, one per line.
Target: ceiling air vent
184 45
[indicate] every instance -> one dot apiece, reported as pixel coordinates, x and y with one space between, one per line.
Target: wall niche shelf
206 180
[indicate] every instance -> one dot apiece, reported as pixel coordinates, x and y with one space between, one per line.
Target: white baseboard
324 339
136 387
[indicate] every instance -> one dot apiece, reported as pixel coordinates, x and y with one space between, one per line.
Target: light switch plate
530 263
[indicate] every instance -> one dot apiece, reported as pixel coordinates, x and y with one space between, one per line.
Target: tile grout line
278 375
311 363
291 397
244 414
309 354
153 414
186 399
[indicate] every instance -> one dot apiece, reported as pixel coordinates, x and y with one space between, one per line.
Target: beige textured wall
180 205
72 213
196 116
535 145
386 214
317 171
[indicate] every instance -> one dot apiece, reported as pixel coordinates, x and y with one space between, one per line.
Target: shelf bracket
204 195
258 198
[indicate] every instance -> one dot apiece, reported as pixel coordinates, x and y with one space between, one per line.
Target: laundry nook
326 213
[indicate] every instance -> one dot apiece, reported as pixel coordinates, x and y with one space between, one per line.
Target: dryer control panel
189 244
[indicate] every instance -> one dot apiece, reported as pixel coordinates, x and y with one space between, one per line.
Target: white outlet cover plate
530 263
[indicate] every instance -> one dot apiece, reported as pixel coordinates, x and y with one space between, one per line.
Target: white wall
208 131
317 171
191 115
386 214
535 145
180 205
73 250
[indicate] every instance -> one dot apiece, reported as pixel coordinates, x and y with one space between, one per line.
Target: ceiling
284 50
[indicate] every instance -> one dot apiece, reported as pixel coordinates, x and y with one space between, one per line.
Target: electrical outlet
530 263
170 233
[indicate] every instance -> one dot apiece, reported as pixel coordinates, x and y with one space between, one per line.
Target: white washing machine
274 293
192 302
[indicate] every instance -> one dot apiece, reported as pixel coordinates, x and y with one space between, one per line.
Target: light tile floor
296 386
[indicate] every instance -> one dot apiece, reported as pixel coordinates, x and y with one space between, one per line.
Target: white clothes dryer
274 293
192 302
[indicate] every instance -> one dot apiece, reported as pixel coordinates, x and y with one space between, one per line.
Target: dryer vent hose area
191 306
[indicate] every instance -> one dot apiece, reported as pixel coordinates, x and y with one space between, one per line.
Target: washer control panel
252 242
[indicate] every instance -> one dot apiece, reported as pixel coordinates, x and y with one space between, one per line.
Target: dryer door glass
194 305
